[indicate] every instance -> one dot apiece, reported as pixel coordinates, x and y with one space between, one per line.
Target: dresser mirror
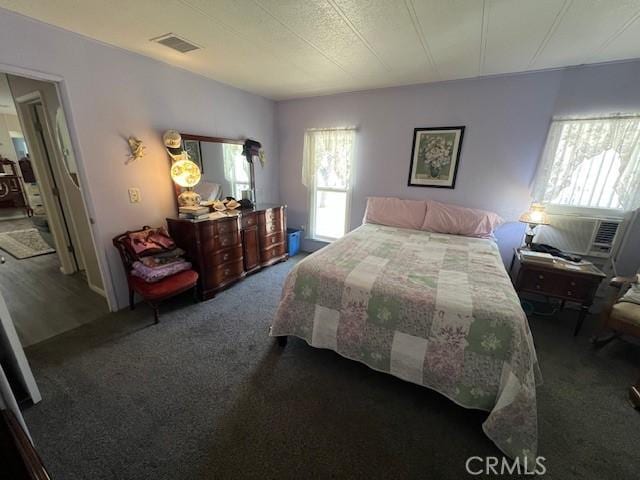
224 166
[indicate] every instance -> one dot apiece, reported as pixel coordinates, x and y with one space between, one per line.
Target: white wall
110 94
506 121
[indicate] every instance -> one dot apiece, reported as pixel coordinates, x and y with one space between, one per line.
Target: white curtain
591 162
328 152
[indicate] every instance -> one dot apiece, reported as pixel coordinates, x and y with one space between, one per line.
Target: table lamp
186 174
536 215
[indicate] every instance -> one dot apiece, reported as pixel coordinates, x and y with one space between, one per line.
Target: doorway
59 285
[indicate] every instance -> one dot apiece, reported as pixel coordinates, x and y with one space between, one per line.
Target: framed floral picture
435 157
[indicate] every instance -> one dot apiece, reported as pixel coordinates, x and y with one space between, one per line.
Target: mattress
436 310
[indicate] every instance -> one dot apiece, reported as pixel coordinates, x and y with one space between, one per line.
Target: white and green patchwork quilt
436 310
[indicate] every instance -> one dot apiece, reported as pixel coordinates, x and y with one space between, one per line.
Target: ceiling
294 48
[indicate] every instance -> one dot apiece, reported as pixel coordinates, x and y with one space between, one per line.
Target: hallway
42 301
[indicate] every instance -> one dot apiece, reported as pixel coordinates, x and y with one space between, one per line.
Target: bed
433 309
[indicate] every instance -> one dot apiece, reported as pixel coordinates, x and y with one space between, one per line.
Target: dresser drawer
214 260
272 239
228 272
223 227
249 220
270 221
220 242
218 227
270 254
225 240
273 215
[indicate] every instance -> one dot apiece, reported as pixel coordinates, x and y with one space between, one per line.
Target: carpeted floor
207 394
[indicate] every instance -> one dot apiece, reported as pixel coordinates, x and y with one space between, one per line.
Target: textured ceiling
293 48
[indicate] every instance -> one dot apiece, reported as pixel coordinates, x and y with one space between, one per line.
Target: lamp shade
536 215
185 173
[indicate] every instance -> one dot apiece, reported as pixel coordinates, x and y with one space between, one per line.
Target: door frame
43 170
65 102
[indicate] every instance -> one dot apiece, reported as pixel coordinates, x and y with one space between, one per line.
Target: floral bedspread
436 310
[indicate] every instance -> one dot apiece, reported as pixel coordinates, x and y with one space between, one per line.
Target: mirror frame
235 141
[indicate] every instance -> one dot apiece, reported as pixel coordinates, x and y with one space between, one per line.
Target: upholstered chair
621 315
153 293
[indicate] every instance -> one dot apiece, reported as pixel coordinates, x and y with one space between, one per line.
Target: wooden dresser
226 249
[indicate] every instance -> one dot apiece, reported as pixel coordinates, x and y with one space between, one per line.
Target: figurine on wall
137 149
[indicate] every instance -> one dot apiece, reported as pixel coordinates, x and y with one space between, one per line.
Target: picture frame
192 147
435 156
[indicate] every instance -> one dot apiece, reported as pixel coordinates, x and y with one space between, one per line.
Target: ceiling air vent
179 44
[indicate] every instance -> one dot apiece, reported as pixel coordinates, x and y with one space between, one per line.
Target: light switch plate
134 195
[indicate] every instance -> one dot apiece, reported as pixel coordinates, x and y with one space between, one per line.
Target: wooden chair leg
156 312
196 298
132 305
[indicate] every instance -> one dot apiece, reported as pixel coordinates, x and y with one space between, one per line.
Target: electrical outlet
134 195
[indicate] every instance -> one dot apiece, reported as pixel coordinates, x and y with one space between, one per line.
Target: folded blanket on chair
154 274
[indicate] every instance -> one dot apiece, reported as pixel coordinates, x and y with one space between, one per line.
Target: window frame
312 234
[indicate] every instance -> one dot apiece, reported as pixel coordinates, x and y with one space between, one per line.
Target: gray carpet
207 394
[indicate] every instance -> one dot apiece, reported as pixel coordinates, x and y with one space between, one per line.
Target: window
591 163
327 172
236 169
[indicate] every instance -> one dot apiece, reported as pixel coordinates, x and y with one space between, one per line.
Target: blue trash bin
293 236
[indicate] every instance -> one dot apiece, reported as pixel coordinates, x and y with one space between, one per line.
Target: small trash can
293 236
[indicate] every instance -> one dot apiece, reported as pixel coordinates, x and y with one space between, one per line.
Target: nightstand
558 280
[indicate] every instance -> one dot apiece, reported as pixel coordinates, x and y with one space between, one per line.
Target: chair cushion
166 287
626 312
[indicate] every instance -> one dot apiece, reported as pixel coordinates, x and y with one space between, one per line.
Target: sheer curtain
329 153
591 162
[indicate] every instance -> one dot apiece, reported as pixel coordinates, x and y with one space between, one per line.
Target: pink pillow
455 220
395 212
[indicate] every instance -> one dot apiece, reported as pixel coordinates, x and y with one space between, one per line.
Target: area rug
24 243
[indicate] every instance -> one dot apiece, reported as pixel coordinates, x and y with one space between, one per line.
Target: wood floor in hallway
44 302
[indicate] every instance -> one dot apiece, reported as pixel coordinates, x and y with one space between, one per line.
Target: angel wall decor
137 149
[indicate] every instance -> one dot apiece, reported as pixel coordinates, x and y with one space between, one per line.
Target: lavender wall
506 121
110 94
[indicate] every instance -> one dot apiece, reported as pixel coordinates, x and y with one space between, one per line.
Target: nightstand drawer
576 288
541 281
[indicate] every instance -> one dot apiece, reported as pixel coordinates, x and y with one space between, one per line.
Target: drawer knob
573 284
538 287
226 272
226 256
541 277
273 239
569 293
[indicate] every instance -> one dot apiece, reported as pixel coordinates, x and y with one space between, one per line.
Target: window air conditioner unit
595 237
